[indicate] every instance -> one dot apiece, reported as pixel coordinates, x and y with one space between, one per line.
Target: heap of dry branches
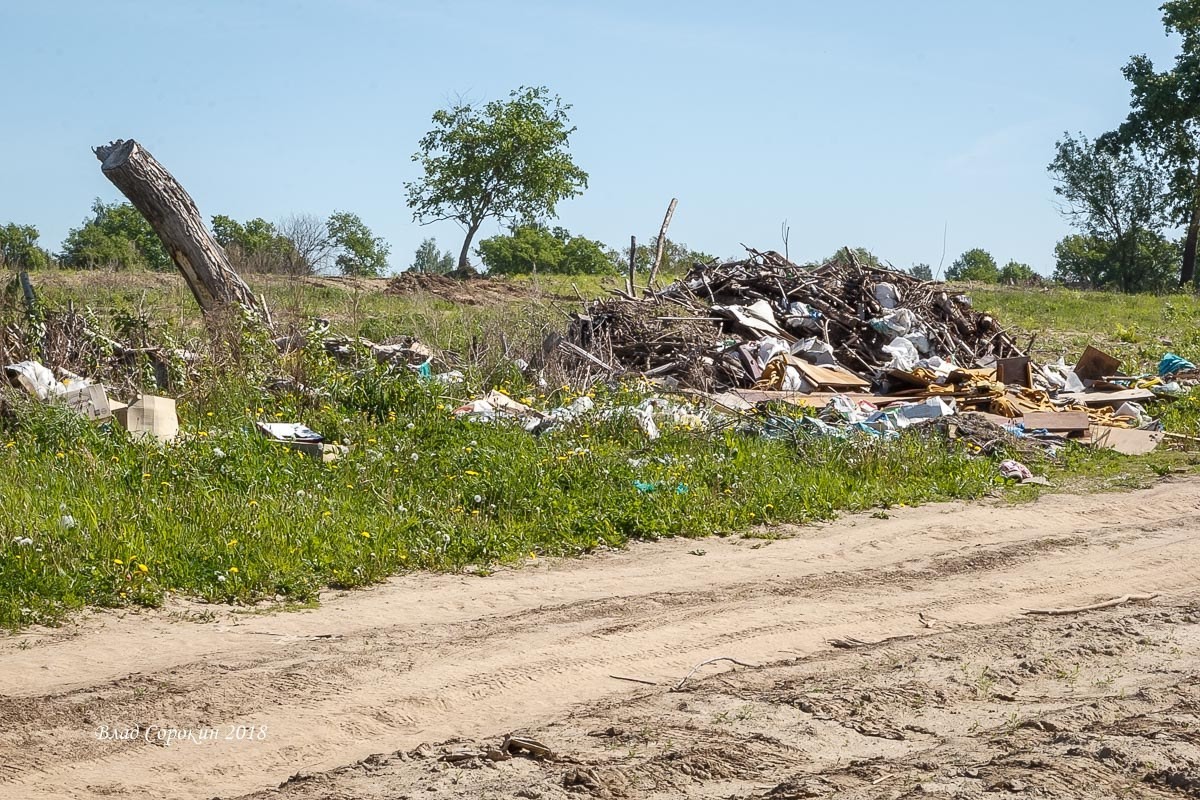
681 331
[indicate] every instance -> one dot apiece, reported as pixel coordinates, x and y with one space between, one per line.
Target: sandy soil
946 689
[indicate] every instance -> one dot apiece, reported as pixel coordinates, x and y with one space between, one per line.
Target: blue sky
871 123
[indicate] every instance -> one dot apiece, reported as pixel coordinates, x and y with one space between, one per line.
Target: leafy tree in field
506 160
361 253
1164 122
527 248
1114 195
922 272
256 246
583 256
976 264
536 248
19 248
429 259
1014 273
116 237
1095 262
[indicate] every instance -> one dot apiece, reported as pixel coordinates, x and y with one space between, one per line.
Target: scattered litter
1171 364
650 488
1014 470
496 406
36 379
300 437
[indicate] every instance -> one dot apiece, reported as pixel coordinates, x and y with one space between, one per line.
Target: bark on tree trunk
1188 272
463 264
173 215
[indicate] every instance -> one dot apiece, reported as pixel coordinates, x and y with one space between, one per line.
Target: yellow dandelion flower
365 534
233 570
143 568
118 562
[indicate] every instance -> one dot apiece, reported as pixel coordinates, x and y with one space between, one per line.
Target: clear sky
873 123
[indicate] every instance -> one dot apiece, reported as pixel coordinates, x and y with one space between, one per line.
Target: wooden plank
1127 441
1095 364
1114 399
1016 370
1073 423
828 377
813 400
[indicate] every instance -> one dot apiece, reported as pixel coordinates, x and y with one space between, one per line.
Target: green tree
1164 121
537 248
975 264
864 256
507 160
117 236
677 259
429 259
922 272
583 256
1114 195
1094 262
257 246
526 248
361 253
19 249
1015 273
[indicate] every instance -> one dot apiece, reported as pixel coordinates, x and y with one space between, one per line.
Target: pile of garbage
764 322
864 348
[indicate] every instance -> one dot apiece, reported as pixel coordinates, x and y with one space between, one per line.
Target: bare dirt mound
965 696
467 291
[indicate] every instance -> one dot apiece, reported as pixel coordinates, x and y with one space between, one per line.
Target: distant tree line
509 161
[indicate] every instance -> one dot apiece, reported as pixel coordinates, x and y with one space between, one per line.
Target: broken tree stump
173 215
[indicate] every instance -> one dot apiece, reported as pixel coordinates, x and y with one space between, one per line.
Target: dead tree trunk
173 215
662 242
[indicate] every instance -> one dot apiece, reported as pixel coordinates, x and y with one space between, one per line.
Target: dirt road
971 697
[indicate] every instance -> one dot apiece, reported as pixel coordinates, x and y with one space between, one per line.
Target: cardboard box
90 401
150 415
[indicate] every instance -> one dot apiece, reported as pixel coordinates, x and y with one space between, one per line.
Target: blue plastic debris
1172 363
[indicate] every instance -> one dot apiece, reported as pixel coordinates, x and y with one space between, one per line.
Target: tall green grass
90 518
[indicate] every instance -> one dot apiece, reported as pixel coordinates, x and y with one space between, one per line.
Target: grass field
92 519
